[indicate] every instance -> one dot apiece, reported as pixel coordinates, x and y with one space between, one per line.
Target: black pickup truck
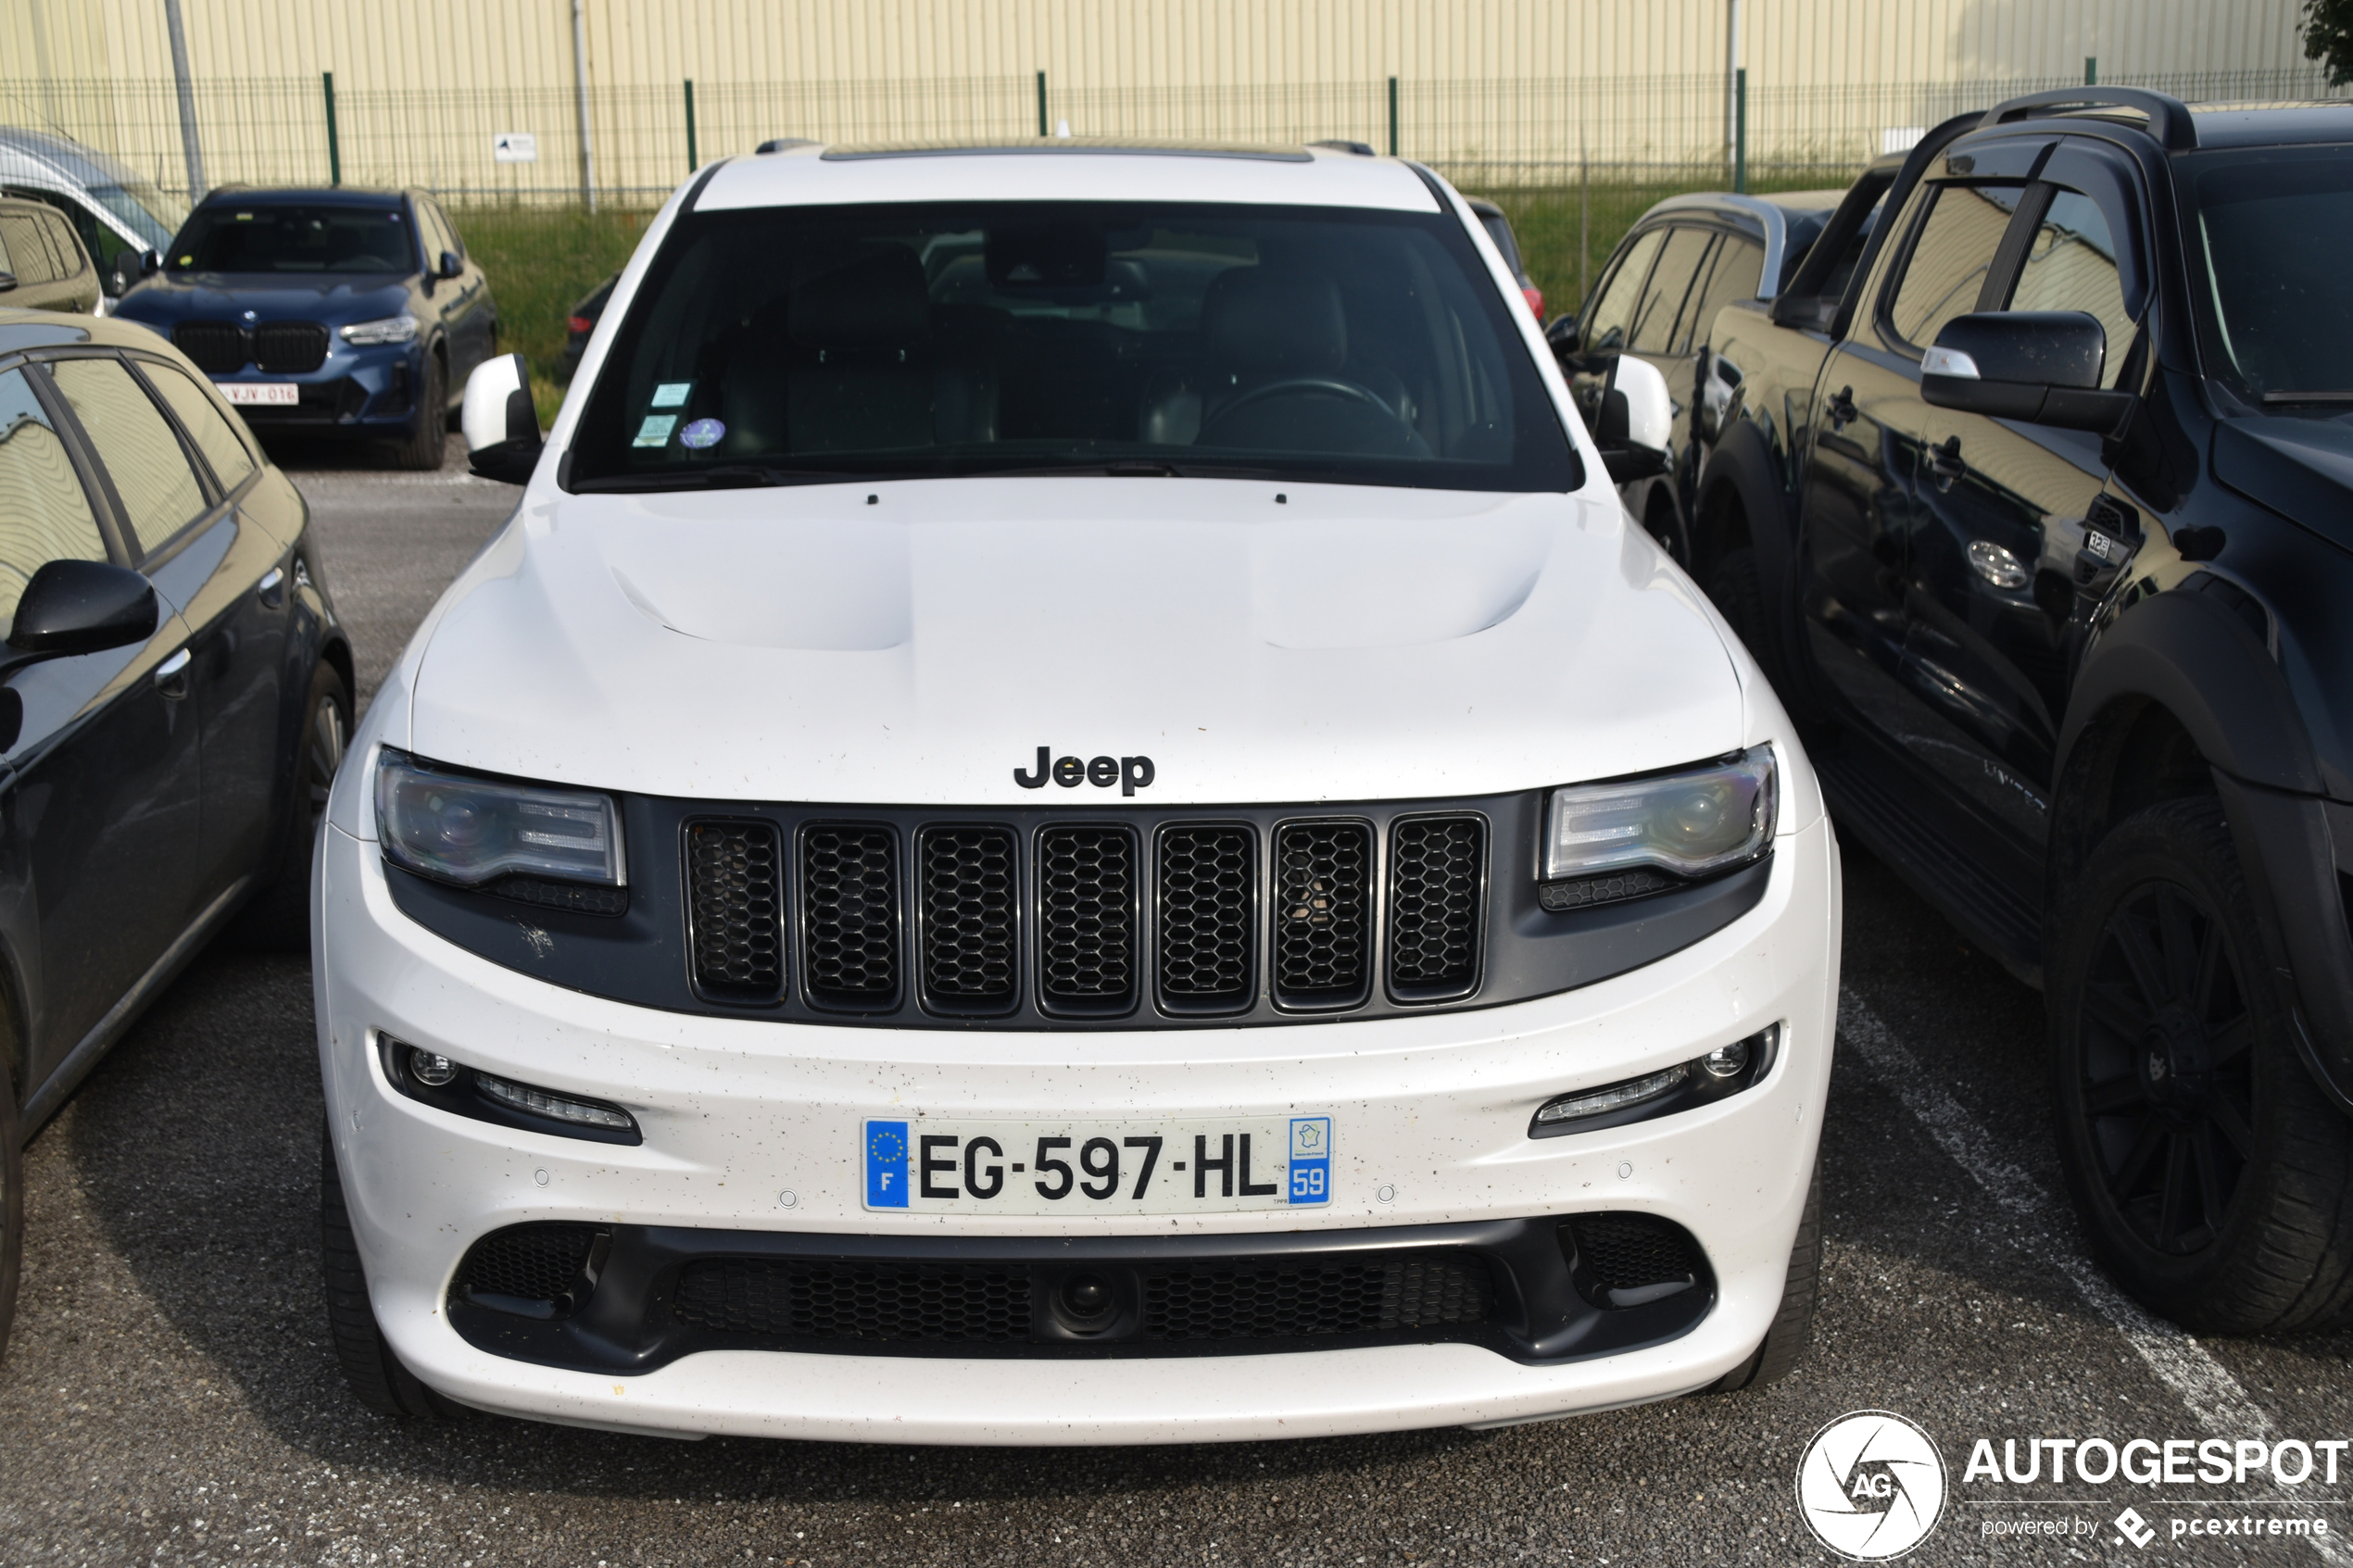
2043 527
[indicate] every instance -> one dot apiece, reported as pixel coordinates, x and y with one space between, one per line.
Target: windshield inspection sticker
702 434
672 394
656 431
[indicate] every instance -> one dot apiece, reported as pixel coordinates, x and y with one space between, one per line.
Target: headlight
1691 823
392 328
473 831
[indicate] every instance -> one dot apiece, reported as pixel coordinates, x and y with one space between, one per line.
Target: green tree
2328 37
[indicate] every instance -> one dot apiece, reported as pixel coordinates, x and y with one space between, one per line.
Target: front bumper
368 390
1432 1117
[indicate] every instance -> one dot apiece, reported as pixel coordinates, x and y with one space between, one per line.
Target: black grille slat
217 347
850 915
734 882
1437 889
967 897
1323 915
289 347
1086 917
1626 1251
1286 1300
528 1262
1208 883
790 1298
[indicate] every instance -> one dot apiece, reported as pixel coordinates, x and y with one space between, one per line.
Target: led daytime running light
1616 1098
540 1102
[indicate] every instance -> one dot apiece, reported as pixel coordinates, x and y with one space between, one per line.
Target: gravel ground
169 1396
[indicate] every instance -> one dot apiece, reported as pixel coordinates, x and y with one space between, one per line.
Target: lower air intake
1296 1301
1624 1258
527 1266
735 882
779 1298
1323 914
849 916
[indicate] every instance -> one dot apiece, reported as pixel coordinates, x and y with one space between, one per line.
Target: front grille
788 1299
850 915
966 896
1286 1300
528 1262
1323 916
217 347
1207 884
735 880
1437 879
1626 1251
289 347
1086 917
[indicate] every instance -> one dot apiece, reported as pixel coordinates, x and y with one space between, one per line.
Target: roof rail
1362 150
779 144
2169 118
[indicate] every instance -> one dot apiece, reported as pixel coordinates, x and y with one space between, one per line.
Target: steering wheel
1330 387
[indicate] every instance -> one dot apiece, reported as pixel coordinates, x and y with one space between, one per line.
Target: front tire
279 917
1793 1328
11 1192
427 442
2213 1176
374 1373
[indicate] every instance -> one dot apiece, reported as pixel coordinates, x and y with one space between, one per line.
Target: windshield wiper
728 476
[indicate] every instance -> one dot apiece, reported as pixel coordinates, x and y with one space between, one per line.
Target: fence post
335 141
1739 131
188 144
1584 224
2091 71
580 92
1392 117
692 162
1044 128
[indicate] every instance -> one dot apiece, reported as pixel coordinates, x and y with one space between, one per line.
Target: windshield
2271 230
823 343
222 238
142 208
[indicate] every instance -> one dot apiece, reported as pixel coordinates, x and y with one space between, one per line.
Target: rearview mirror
80 607
1636 420
500 423
2039 366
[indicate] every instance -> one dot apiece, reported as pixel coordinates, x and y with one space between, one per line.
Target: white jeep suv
1069 813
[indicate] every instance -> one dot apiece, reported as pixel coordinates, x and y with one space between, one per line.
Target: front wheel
1793 1328
279 917
374 1373
2215 1179
11 1193
426 445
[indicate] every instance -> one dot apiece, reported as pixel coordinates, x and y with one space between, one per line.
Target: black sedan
174 696
332 312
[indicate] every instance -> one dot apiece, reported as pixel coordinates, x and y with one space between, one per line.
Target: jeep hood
916 643
2300 467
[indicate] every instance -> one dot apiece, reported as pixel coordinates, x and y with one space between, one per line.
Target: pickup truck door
1861 507
1991 591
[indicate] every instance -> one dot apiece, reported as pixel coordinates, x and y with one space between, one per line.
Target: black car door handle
1842 408
1946 461
171 675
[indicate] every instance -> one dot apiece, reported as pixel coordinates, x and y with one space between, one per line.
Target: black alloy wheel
2214 1177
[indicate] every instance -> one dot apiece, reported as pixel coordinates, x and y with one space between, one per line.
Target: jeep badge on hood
1130 773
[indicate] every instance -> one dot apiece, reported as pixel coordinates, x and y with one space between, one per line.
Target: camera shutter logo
1872 1485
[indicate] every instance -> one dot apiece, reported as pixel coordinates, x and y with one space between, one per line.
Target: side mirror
500 423
1636 421
2039 366
130 265
450 265
7 281
81 607
1563 337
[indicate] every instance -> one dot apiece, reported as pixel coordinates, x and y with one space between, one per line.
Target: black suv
2044 525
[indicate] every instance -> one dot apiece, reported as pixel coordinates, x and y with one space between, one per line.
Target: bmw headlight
390 328
472 831
1689 822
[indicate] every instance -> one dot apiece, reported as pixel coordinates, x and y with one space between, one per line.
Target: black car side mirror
500 423
80 607
450 265
1562 335
2039 366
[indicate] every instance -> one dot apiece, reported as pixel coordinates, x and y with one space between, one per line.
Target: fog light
1726 1061
1617 1097
540 1102
430 1068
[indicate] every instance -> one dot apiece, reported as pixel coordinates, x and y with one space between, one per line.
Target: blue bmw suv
345 313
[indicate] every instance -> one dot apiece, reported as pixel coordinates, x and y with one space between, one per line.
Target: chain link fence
550 213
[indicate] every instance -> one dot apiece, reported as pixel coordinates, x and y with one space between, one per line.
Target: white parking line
2204 1384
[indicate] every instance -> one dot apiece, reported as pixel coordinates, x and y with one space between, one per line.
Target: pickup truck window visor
918 340
2271 230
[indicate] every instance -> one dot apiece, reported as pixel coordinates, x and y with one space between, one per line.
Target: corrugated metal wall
1500 90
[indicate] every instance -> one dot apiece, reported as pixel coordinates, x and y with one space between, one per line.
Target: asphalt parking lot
169 1396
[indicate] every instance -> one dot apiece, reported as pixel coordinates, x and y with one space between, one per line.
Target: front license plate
1065 1168
259 390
